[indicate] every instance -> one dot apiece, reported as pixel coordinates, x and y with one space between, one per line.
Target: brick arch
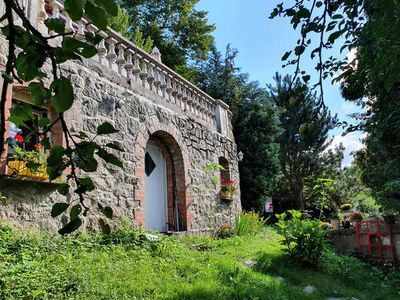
169 140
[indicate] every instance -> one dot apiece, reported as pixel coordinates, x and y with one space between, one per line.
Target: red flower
19 138
41 136
230 182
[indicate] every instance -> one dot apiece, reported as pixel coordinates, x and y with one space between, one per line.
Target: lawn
127 266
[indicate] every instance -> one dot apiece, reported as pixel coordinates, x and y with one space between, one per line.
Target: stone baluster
121 58
163 84
136 66
194 104
169 87
180 95
129 64
210 112
189 101
174 89
198 107
157 78
80 35
144 73
203 109
111 56
150 78
185 98
69 26
55 10
102 51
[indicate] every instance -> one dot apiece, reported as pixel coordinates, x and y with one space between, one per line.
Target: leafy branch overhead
30 52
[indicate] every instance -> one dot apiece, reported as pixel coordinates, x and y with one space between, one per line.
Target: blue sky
262 42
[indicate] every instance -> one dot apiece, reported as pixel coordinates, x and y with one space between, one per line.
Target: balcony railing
146 71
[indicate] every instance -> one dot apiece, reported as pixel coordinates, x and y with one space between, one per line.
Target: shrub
225 231
248 223
304 239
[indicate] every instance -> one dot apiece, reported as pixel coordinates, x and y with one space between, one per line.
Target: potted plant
355 217
31 164
228 189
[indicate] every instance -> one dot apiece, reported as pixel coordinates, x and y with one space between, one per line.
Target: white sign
269 208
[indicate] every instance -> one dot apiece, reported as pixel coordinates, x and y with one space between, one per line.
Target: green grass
125 266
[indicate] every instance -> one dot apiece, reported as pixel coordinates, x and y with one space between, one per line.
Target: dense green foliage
248 223
304 239
372 80
179 31
255 123
305 126
126 265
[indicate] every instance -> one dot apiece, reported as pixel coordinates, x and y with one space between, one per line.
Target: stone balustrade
141 68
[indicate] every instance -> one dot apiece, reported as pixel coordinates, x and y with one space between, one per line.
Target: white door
155 204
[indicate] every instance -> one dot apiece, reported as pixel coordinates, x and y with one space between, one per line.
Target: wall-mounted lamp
240 156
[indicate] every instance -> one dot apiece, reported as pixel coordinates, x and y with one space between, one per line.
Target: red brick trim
169 140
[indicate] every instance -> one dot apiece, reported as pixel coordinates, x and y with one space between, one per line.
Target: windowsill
16 178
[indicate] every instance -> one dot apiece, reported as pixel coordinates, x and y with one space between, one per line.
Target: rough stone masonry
102 94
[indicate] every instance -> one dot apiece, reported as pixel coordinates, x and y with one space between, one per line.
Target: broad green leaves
58 209
63 94
106 128
35 53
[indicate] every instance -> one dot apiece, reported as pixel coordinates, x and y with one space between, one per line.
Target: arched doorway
164 191
156 212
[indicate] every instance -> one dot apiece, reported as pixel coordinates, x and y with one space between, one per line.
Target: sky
261 43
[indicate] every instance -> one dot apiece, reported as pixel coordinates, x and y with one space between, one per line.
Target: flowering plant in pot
28 163
355 217
228 189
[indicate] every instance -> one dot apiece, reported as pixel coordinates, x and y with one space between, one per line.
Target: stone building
170 131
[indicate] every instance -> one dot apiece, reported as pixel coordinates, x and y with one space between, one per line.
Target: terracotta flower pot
226 195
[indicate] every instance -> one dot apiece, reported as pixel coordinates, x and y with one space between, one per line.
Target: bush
304 239
248 223
225 231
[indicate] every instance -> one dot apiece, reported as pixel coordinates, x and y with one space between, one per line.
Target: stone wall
101 95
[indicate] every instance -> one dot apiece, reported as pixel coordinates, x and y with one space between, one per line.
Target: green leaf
109 158
39 94
299 50
75 211
7 77
43 122
74 8
110 6
286 55
306 78
19 114
96 14
105 228
85 185
115 147
63 189
58 209
55 25
106 128
63 94
29 62
71 226
56 155
85 153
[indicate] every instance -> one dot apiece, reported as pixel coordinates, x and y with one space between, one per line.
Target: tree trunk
298 194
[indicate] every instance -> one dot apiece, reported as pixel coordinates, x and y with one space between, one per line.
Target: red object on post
374 240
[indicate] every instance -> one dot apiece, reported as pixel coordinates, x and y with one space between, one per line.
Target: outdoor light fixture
240 156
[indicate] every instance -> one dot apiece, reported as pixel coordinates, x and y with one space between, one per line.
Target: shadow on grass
337 276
